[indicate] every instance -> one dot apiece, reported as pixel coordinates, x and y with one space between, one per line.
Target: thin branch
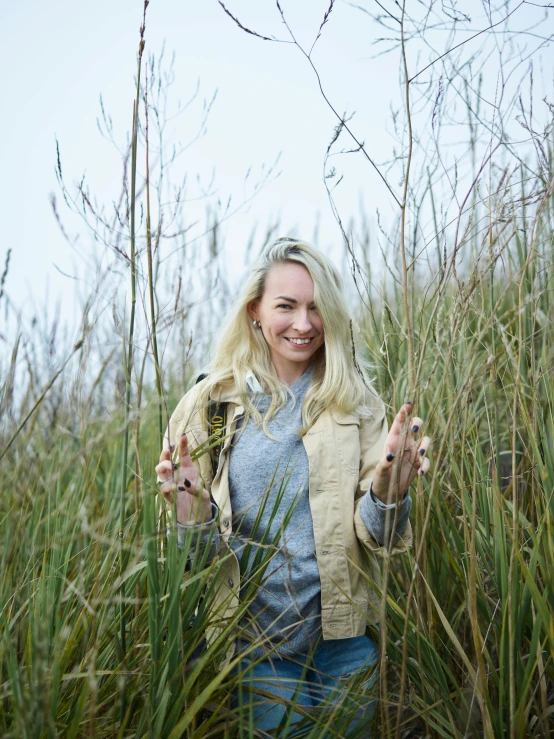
244 28
323 22
338 116
462 43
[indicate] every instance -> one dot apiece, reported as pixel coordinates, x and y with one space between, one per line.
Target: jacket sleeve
201 536
373 433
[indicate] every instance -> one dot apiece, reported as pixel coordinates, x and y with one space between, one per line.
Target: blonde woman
309 471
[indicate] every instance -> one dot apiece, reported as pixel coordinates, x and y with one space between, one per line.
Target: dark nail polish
390 457
175 466
171 447
422 472
408 402
181 488
422 451
415 429
187 482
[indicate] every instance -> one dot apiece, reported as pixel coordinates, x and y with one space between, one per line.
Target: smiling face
291 324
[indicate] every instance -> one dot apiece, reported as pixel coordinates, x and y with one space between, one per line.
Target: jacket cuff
202 524
387 506
402 543
206 534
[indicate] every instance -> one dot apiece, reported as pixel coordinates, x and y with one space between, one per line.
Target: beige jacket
342 451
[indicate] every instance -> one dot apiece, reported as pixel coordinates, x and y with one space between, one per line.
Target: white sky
58 57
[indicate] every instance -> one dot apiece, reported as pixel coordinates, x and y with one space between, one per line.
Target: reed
475 650
103 617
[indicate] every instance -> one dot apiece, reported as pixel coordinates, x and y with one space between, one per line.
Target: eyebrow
284 297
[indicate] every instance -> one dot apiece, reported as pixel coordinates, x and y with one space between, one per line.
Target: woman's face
291 323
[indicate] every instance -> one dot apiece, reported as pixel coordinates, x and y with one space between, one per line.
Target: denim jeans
331 688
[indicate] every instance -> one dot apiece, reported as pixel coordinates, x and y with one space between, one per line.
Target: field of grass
101 616
98 623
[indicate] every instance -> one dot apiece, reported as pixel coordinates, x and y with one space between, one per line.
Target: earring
256 324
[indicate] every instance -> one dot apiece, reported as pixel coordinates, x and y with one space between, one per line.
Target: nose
302 322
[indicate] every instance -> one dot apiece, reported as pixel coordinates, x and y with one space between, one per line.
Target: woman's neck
289 375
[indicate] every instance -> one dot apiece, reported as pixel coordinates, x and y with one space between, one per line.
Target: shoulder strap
217 420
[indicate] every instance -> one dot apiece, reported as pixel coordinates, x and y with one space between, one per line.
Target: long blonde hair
338 382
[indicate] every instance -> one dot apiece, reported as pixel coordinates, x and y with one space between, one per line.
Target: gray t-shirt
268 483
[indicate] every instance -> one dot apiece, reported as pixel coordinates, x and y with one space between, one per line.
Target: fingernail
415 429
181 488
422 451
183 434
175 466
390 457
187 482
422 472
408 402
171 447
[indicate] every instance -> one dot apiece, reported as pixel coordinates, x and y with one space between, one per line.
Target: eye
283 305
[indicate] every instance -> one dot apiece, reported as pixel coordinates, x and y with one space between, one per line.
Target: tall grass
103 617
473 645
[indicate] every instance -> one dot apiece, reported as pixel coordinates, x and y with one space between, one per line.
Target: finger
167 491
164 470
416 424
387 462
166 453
400 418
425 465
184 453
191 484
381 475
424 446
396 432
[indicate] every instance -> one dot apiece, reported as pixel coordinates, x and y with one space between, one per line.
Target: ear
252 309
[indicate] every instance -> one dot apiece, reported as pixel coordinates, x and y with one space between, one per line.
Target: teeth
300 341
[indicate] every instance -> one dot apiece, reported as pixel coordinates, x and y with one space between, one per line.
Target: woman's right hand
193 500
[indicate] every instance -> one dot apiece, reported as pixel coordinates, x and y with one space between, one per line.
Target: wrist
387 499
384 497
197 511
208 522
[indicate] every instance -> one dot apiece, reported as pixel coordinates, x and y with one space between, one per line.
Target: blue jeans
331 689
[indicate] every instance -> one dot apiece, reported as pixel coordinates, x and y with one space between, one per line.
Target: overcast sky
58 57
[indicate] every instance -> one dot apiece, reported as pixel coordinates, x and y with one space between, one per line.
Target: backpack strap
217 421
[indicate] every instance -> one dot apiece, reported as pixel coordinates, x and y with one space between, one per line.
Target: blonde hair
338 382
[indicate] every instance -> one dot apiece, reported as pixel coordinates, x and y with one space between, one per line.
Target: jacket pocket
347 440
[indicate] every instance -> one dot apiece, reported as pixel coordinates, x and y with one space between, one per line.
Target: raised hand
193 500
404 457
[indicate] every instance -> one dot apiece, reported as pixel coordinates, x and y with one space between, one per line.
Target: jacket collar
230 394
252 382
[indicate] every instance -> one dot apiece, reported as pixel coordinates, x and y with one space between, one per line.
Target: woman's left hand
404 457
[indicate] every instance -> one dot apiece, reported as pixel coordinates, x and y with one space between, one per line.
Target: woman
310 487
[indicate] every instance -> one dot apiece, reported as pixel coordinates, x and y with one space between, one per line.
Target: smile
299 342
